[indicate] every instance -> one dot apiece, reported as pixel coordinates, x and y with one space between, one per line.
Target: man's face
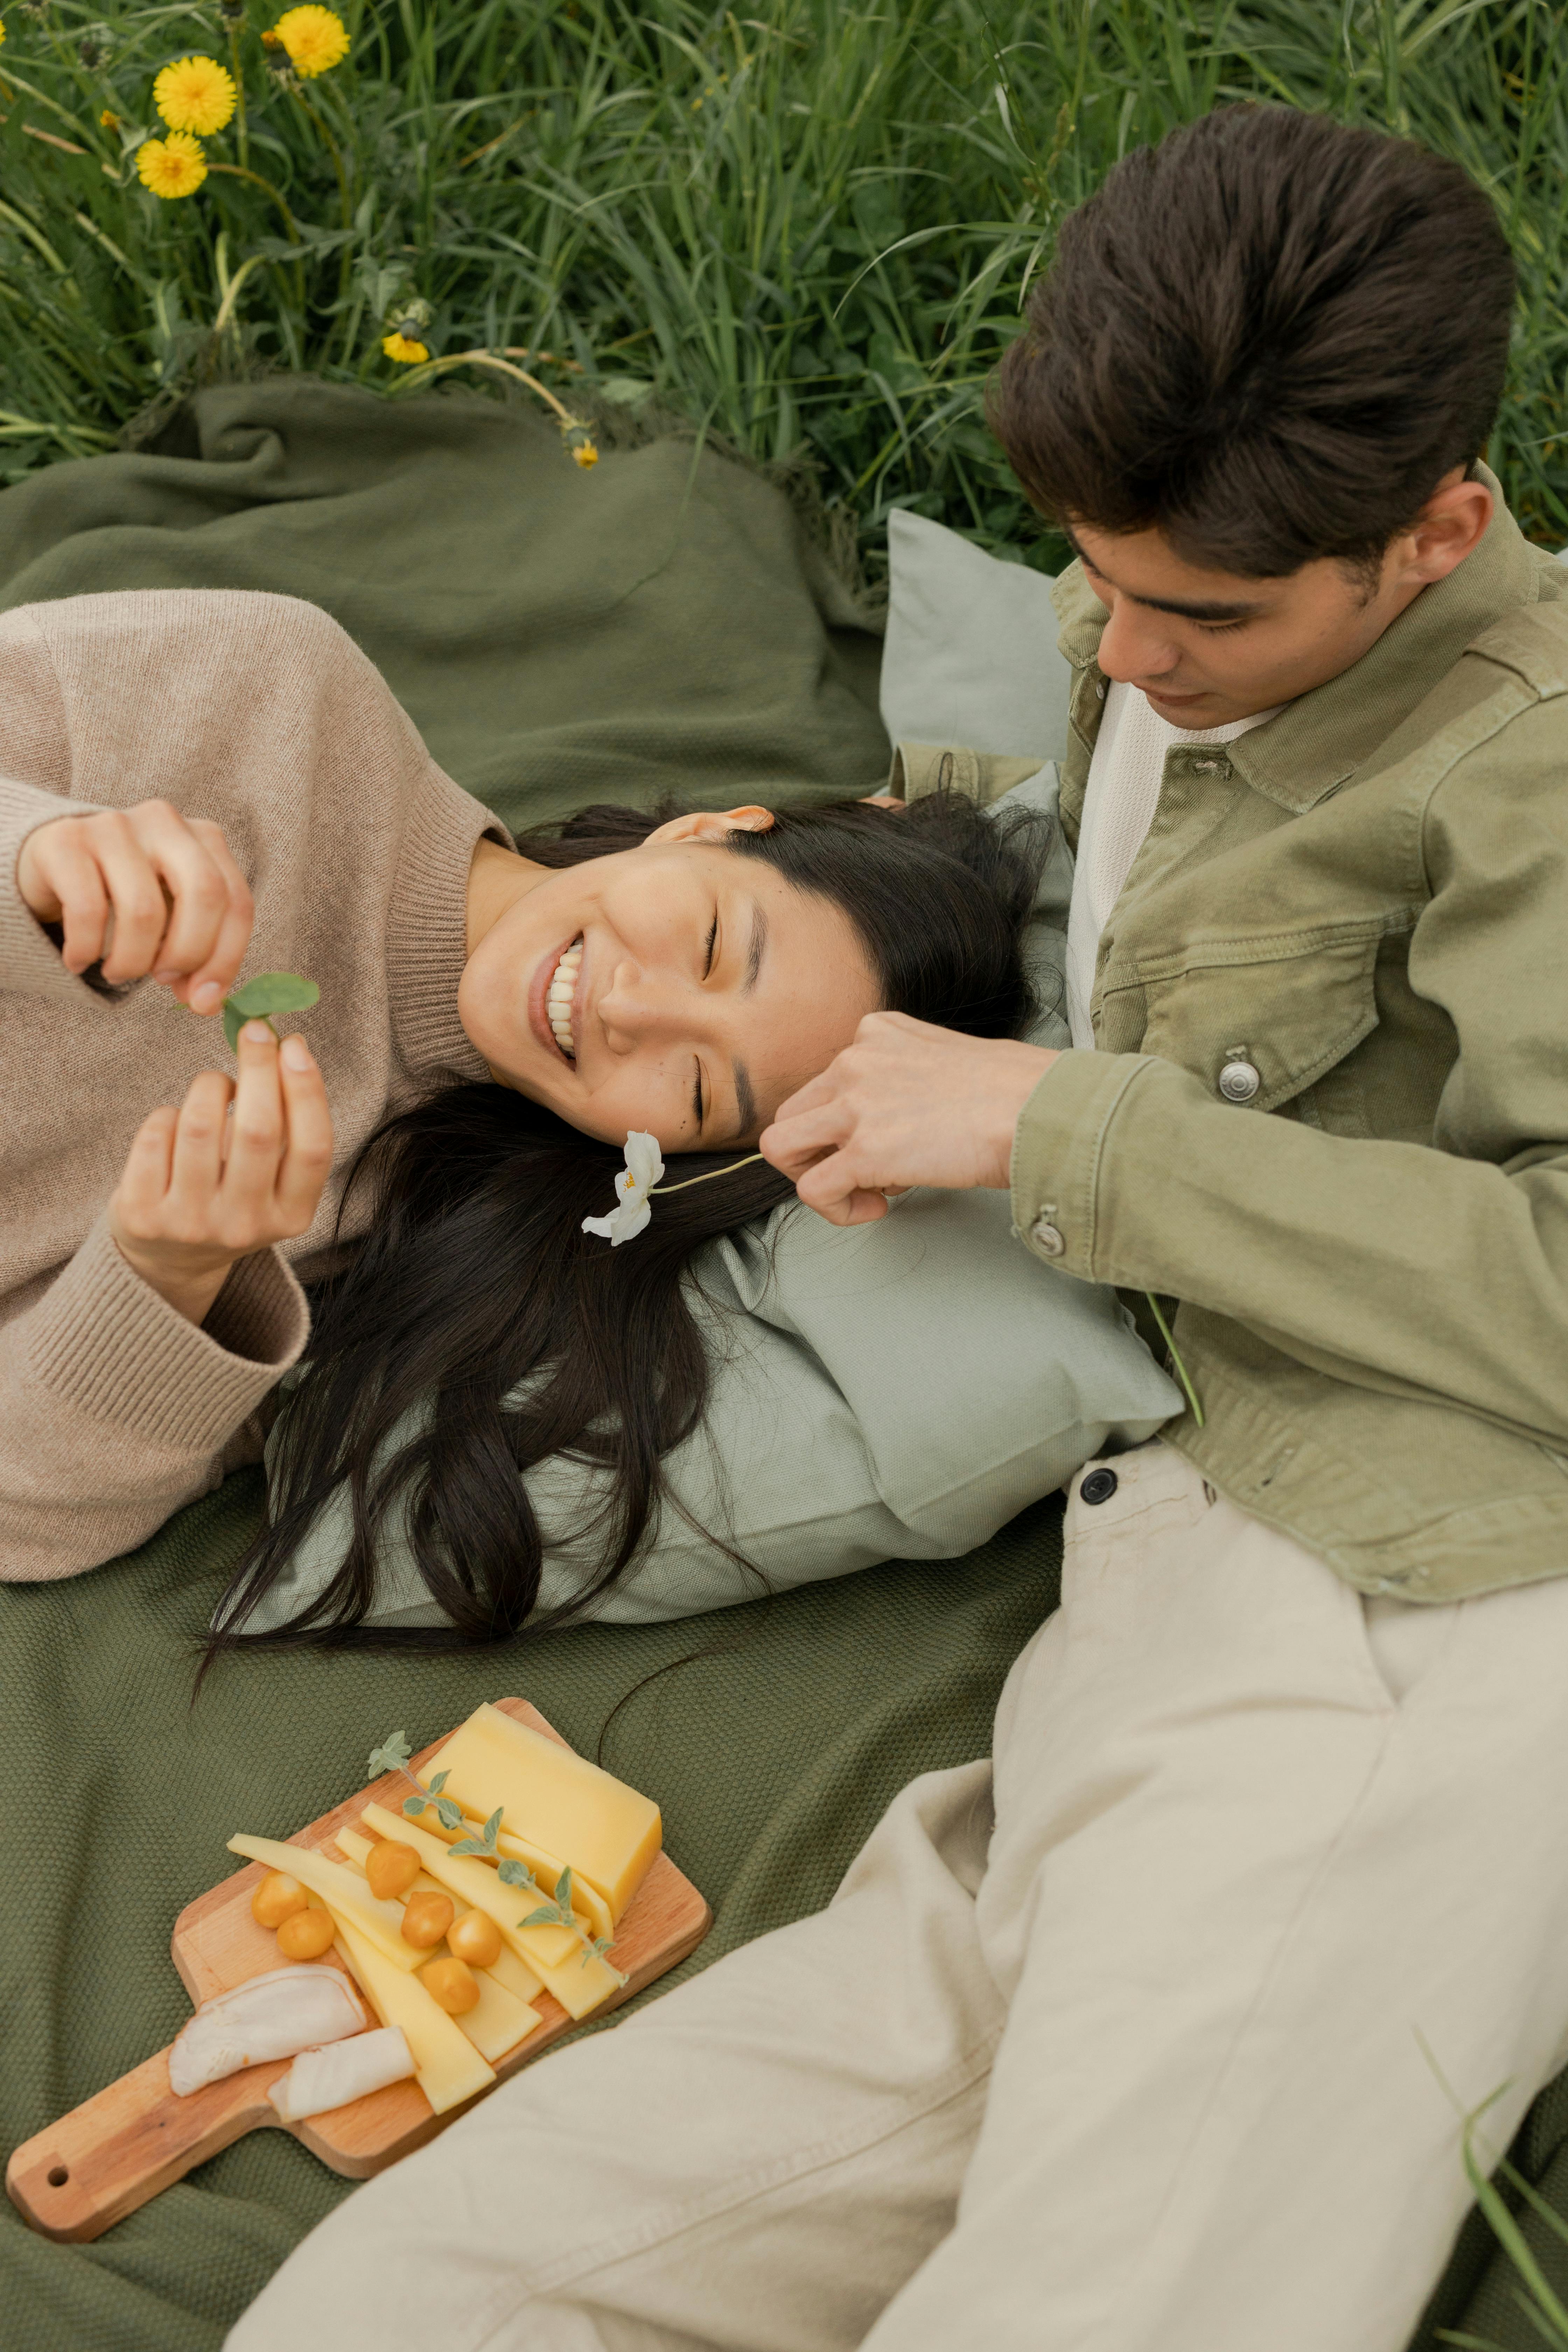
1210 647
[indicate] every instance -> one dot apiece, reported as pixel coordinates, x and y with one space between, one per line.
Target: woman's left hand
906 1104
239 1166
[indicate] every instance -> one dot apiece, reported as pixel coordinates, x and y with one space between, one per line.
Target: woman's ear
712 824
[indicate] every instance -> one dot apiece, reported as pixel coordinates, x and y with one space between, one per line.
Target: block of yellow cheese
546 1868
342 1889
554 1799
448 2067
580 1982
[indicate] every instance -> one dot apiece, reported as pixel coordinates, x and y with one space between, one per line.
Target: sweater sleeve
114 1409
35 779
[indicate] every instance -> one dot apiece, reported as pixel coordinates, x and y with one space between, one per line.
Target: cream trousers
1134 2063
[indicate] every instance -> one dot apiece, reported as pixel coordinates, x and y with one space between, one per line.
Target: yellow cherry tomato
451 1984
392 1868
475 1937
305 1934
426 1919
276 1899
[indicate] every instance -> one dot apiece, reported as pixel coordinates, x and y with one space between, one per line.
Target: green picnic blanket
663 622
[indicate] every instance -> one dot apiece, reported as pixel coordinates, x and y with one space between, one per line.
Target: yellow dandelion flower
2 28
586 453
405 350
108 118
316 39
173 166
195 94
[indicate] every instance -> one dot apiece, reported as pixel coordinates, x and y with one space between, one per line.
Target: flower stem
430 369
231 292
656 1190
242 172
1176 1354
241 134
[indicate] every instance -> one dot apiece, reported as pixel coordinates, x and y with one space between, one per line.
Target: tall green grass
808 228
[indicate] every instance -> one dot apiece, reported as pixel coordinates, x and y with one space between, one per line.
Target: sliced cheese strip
546 1868
581 1985
342 1889
502 2016
508 1970
498 2020
552 1798
450 2068
515 1974
477 1887
555 1954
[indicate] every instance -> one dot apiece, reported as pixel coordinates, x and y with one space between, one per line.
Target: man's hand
906 1104
203 1187
142 891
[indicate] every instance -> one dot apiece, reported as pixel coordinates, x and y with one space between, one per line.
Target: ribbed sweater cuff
30 961
104 1341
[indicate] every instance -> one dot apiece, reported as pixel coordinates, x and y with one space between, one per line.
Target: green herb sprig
268 992
393 1755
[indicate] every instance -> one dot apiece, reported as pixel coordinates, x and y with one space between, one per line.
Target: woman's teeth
558 1004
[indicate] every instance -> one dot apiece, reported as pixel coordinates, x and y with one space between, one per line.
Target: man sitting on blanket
1152 2034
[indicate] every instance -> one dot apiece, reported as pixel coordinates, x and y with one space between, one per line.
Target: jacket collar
1317 742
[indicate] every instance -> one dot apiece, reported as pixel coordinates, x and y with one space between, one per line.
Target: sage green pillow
971 654
895 1390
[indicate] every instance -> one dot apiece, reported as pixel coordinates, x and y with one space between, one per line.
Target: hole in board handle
58 2175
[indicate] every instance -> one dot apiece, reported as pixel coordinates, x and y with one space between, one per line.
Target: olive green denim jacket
1361 908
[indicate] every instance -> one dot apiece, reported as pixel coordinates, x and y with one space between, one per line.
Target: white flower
637 1180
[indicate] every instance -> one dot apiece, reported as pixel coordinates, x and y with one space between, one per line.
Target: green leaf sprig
393 1755
268 992
554 1910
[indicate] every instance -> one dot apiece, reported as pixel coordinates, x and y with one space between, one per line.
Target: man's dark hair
1270 337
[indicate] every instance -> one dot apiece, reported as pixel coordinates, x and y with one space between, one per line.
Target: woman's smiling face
675 987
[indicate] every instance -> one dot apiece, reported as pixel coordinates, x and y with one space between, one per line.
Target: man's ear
1450 526
712 824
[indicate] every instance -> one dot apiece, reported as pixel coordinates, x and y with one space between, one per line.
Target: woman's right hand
143 889
239 1167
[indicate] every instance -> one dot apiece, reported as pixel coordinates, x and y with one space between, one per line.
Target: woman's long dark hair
476 1305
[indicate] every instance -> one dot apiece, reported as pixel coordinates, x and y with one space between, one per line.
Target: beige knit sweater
257 713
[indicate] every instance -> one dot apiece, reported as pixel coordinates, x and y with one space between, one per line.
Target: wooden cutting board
109 2155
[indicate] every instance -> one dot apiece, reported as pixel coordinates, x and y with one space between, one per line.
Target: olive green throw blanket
661 623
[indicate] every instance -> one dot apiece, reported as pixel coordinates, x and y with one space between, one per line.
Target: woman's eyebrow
755 954
745 1103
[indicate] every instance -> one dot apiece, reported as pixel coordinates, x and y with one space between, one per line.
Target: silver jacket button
1239 1081
1047 1237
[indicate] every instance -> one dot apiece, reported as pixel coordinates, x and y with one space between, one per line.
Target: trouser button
1098 1486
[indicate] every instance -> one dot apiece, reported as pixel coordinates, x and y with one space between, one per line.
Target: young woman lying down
194 783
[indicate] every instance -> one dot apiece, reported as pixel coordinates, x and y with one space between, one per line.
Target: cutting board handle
111 2154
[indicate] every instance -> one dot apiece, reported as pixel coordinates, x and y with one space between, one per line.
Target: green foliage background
807 229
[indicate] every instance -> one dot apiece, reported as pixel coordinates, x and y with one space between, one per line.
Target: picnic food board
80 2176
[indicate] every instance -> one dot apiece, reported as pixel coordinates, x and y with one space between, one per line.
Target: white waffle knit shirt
1119 800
